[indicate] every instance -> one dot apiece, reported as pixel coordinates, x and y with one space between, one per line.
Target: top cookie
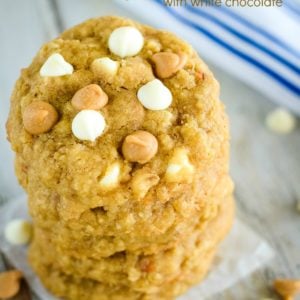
117 115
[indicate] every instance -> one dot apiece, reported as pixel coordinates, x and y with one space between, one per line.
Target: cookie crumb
280 121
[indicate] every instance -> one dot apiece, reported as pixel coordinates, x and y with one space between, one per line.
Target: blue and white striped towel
260 46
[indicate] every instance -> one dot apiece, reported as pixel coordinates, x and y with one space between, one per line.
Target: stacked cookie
122 146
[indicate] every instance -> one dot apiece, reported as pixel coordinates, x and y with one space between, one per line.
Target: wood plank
265 167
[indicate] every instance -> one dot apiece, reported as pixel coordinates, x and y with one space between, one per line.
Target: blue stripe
259 30
292 7
291 13
244 38
290 86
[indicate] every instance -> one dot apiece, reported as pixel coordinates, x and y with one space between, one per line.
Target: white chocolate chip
179 168
111 176
105 65
88 125
125 41
281 121
154 95
56 65
18 232
174 168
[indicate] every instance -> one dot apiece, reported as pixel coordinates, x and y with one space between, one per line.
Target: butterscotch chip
287 288
89 97
39 117
167 63
10 283
140 147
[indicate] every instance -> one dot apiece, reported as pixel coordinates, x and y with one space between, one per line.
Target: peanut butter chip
10 283
140 147
39 117
167 63
89 97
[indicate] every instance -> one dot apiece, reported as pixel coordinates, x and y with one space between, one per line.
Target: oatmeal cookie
122 146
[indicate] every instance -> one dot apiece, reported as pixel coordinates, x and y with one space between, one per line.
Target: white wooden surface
265 166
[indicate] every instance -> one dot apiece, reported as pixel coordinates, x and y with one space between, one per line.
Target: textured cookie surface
119 151
159 276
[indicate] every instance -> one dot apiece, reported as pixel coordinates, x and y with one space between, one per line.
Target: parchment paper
242 252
